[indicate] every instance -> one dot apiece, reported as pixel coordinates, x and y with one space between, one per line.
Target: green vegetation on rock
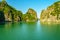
30 16
9 13
52 13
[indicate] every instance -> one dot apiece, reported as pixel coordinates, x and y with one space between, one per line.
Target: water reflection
29 31
51 31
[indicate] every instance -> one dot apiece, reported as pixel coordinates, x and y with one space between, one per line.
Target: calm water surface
29 31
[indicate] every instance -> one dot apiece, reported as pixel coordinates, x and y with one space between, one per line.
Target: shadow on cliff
2 17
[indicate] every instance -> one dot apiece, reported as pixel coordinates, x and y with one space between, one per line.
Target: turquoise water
29 31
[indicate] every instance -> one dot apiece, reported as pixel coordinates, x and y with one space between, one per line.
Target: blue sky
37 5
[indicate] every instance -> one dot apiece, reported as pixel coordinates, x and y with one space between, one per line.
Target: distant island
51 14
10 14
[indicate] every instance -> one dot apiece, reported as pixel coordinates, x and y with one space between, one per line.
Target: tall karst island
51 14
30 16
10 14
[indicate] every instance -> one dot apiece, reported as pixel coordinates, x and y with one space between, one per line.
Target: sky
24 5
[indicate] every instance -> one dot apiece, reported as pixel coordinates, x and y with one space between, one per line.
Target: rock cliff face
51 14
8 13
30 16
